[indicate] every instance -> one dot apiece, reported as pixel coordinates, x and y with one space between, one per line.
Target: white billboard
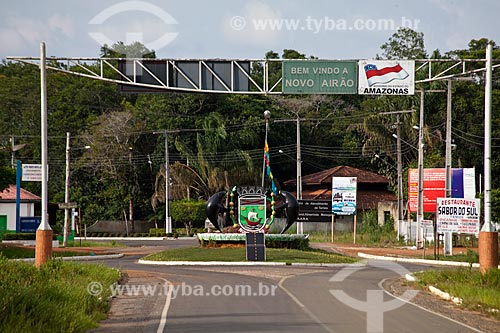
32 173
344 195
457 215
386 77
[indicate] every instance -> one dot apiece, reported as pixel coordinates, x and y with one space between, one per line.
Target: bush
157 232
20 236
189 212
296 243
24 236
372 232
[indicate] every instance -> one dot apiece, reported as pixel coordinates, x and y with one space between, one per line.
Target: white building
8 207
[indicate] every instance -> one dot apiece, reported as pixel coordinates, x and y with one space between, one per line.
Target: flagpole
267 116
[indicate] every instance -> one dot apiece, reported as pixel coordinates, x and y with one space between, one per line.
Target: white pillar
44 225
487 142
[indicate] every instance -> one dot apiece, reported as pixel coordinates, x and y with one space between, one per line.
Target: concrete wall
119 227
342 223
387 206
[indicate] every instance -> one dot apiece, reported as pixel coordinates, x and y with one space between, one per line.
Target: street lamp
405 142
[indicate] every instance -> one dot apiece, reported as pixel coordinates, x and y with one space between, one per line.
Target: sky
233 29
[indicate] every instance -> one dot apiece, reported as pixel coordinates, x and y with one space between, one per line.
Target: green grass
479 292
470 256
14 252
238 254
53 298
367 239
77 243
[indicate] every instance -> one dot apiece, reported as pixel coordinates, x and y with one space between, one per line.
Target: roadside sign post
344 193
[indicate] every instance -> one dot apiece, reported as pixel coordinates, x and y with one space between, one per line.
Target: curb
444 295
237 263
419 261
130 238
436 291
78 258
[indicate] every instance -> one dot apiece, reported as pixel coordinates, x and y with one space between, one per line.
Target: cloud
63 24
23 34
451 7
250 26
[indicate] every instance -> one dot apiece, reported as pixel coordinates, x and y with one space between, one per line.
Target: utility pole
300 225
399 161
13 155
66 194
420 201
168 220
400 169
488 238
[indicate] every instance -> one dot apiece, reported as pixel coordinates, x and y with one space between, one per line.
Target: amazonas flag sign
386 77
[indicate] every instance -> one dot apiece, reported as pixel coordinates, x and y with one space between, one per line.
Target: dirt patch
352 250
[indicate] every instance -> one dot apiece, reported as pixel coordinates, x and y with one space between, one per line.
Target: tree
405 43
113 141
7 177
188 212
121 50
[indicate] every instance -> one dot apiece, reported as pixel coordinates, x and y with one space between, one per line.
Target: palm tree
207 170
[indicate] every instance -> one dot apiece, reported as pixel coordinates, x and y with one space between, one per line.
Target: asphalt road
267 299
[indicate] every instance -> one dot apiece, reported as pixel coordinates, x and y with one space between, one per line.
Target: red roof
10 194
325 177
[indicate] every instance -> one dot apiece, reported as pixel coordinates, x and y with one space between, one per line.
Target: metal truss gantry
227 76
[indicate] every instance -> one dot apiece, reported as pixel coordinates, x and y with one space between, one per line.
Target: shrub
295 243
24 236
157 232
20 236
189 212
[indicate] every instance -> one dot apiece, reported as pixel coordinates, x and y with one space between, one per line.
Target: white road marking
163 318
299 303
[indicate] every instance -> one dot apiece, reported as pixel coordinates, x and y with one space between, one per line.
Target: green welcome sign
319 77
